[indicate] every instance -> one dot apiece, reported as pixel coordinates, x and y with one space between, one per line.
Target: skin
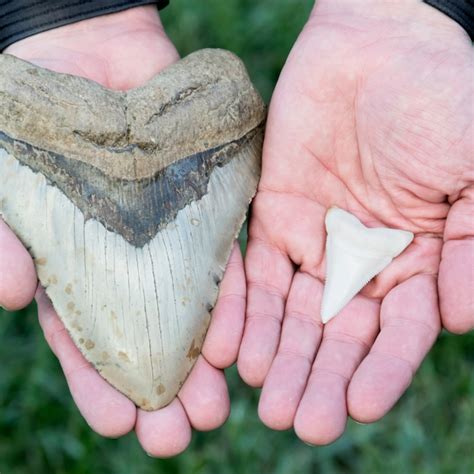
372 113
122 51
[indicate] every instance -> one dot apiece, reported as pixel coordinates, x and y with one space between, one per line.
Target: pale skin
371 113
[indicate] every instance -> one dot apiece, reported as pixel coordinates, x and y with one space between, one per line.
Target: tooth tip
326 316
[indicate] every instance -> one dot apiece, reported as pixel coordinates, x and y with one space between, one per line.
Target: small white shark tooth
354 255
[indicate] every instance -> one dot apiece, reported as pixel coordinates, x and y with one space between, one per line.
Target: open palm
122 51
373 114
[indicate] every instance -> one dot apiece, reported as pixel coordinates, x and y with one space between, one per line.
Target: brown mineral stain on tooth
193 352
123 356
89 344
52 280
68 289
71 306
76 325
41 261
160 389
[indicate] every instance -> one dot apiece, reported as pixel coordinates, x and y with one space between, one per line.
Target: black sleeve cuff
22 18
461 11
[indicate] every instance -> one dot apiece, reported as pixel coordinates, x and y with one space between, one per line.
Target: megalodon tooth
129 203
354 255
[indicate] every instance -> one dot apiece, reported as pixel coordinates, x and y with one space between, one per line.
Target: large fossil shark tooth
129 203
354 255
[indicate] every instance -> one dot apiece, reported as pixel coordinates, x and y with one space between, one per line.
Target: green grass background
431 430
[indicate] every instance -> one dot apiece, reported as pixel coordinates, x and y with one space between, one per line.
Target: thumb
456 272
17 273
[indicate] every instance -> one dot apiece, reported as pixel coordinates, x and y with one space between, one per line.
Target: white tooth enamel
354 255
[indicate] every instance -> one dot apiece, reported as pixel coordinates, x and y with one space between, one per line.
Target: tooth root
354 255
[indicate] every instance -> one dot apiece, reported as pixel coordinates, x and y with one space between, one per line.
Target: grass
430 431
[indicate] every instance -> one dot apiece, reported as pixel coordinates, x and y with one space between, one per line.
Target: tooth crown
354 255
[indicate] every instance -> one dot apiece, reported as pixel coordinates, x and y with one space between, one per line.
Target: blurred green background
430 431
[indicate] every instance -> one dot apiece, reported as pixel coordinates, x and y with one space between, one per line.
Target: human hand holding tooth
202 402
381 127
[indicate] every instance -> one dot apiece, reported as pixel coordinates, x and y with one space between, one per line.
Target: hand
372 113
122 51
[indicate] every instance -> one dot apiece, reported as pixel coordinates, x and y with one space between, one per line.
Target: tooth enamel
354 255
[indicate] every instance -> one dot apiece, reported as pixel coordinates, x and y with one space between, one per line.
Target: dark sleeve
461 11
22 18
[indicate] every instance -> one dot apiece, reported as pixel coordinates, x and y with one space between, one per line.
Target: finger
269 274
300 337
421 256
106 410
18 280
410 323
456 271
227 324
322 413
204 396
165 432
